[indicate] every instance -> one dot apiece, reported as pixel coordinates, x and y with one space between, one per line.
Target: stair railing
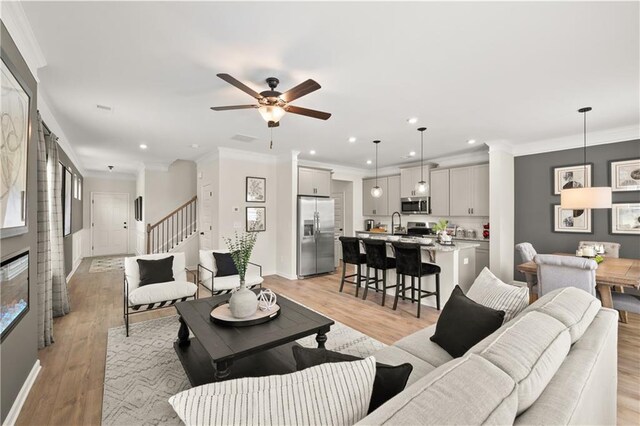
174 228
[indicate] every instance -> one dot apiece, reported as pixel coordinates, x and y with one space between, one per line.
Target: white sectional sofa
220 285
553 364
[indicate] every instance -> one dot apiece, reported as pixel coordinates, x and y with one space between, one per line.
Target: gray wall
76 212
19 351
534 197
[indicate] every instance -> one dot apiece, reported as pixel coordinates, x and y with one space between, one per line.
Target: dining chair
610 249
527 253
565 271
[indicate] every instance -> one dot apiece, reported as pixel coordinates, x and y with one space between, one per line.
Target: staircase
173 229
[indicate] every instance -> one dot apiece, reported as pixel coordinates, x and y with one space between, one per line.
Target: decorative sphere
266 299
376 192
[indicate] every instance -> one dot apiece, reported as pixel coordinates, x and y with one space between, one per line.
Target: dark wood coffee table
217 353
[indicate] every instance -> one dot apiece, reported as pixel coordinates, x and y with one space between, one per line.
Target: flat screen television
14 291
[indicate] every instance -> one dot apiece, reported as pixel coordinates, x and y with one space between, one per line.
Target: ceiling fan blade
227 108
300 90
246 89
308 112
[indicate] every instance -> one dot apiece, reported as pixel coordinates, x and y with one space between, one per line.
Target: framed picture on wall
568 177
256 219
256 189
575 221
625 218
135 209
625 175
15 124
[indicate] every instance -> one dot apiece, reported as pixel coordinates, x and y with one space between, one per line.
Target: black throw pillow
389 380
463 323
155 271
224 264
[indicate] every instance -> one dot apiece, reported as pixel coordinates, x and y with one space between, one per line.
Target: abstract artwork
625 218
15 125
567 220
256 189
14 291
256 219
571 177
625 175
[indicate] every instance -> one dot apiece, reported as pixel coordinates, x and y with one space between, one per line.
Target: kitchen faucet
393 228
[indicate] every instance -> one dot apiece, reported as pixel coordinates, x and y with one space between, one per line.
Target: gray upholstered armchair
527 253
565 271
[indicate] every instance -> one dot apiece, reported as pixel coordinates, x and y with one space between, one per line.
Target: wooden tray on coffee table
221 315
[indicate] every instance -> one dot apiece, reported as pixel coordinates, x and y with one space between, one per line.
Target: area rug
106 264
143 370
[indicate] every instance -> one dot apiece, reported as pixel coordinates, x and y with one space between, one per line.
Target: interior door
206 217
306 236
325 235
338 226
110 223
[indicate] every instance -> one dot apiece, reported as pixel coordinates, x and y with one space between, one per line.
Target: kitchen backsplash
463 222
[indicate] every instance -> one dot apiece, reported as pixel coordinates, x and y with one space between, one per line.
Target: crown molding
618 134
18 25
110 175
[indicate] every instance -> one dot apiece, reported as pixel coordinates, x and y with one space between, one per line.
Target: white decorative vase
243 302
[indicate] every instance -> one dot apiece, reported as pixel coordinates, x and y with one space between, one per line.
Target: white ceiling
511 72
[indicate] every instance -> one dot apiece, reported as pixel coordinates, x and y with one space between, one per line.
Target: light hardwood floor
68 390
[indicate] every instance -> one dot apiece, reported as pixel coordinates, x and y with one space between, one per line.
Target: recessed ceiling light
369 161
143 146
195 146
412 120
412 153
352 139
312 152
471 141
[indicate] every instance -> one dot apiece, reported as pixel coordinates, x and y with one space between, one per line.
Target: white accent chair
155 296
221 285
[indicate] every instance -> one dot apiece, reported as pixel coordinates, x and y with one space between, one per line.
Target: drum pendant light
422 187
585 198
376 191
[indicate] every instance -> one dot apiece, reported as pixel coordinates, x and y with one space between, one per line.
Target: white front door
109 223
206 217
338 218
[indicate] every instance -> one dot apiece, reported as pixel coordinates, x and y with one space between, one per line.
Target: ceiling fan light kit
585 198
376 191
422 187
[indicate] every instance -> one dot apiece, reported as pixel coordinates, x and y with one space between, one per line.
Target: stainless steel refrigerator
315 236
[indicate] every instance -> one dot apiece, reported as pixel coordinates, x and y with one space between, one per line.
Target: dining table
611 272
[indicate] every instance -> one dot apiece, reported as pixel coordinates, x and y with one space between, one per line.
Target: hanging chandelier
422 187
376 191
585 198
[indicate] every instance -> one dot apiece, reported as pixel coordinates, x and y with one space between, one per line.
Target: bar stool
376 251
409 262
351 255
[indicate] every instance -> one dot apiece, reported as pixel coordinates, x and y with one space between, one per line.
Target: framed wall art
568 177
256 189
625 218
625 175
15 123
567 220
256 219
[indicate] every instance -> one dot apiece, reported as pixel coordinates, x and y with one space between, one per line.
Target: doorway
109 223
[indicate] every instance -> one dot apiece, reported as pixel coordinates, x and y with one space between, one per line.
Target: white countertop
458 245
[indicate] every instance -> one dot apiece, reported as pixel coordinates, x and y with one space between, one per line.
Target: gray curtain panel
60 296
52 295
43 284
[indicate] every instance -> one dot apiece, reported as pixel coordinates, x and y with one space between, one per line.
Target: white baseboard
287 276
12 417
75 268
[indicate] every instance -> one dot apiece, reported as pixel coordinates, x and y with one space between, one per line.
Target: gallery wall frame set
567 177
624 218
256 189
256 219
16 125
624 175
572 221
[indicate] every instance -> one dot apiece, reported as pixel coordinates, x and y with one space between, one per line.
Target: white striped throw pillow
489 291
327 394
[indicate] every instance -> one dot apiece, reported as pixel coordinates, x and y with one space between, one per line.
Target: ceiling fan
272 104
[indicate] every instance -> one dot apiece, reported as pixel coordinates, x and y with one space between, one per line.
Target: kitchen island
457 262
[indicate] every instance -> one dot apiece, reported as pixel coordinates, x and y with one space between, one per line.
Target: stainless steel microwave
416 205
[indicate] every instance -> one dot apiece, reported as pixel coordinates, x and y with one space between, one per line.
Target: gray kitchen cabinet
380 206
314 182
480 190
368 202
439 192
482 256
409 177
393 194
469 191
